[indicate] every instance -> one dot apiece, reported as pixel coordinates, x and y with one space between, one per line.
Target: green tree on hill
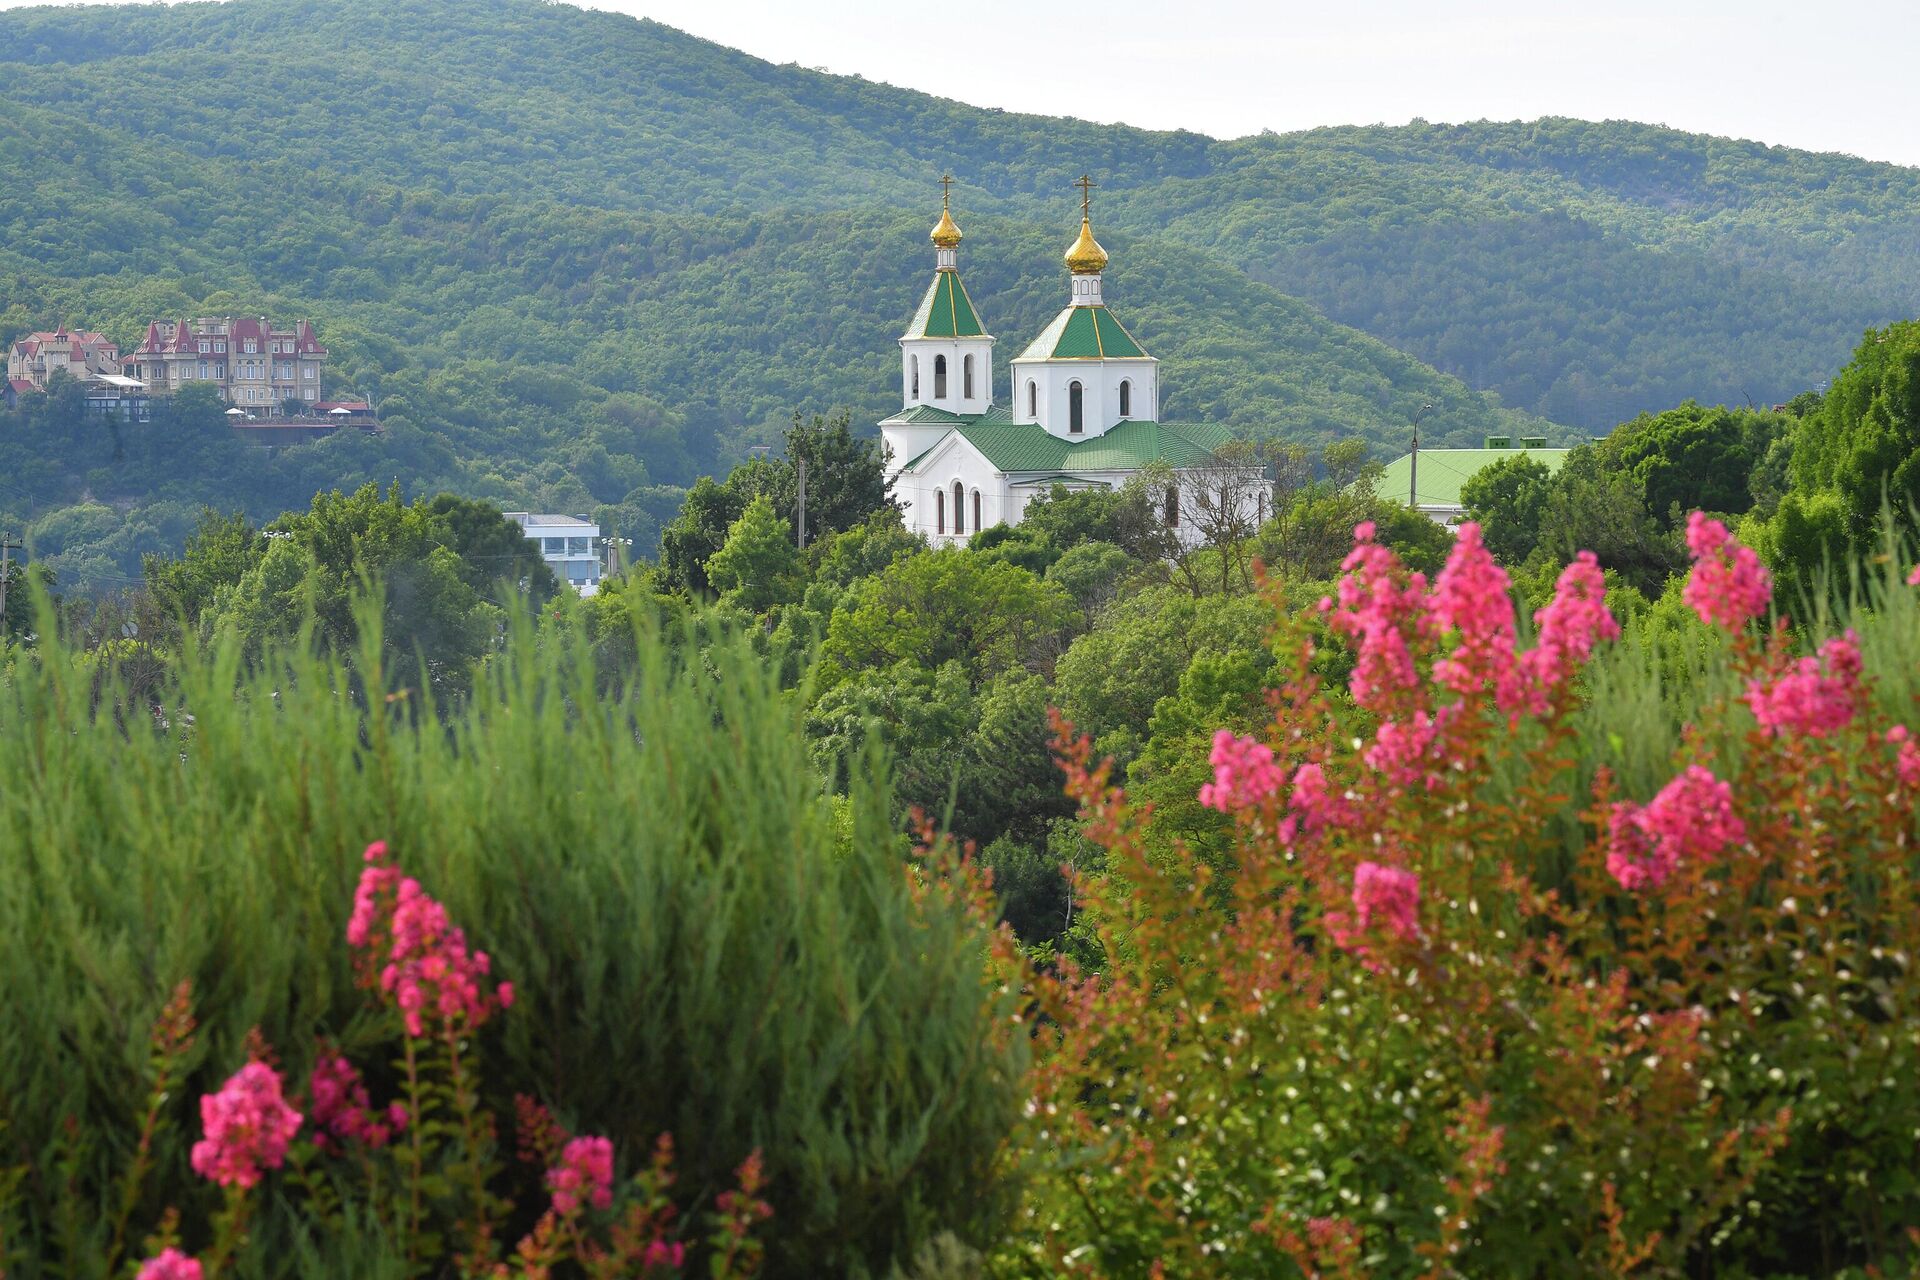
1694 456
945 605
758 566
1508 497
1858 450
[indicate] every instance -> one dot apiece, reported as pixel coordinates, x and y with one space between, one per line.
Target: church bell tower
946 355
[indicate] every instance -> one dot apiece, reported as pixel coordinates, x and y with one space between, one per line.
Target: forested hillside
580 260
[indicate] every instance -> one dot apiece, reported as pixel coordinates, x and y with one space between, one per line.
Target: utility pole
800 467
1413 460
7 547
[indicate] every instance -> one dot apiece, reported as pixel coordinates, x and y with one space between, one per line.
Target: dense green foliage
580 261
1855 455
656 868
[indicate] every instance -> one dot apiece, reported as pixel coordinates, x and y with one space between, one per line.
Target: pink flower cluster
664 1253
1244 773
1400 751
427 967
1728 586
169 1264
585 1172
1692 817
1384 898
1380 609
1906 763
342 1112
248 1126
1471 597
1816 697
1570 626
1312 805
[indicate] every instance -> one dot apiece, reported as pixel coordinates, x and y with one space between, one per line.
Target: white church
1085 412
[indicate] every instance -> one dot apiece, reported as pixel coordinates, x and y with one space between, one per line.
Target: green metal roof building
1433 485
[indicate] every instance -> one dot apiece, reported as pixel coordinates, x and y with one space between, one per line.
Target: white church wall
1100 393
960 463
956 351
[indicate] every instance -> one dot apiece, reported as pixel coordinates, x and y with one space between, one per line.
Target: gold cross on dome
946 183
1086 185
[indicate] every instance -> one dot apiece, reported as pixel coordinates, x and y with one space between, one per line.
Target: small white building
569 545
1084 414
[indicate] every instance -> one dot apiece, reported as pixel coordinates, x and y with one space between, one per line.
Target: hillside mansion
255 366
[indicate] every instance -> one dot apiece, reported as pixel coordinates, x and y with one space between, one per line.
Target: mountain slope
582 259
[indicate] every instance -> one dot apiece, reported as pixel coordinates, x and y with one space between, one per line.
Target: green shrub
704 942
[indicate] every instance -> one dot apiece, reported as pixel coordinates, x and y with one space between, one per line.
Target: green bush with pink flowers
1408 1026
1529 946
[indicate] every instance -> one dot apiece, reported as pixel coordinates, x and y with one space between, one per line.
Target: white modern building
1084 412
569 545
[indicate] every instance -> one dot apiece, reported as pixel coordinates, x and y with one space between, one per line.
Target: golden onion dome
1086 258
945 234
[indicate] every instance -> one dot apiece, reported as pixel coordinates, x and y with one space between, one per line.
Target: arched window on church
976 511
966 377
1126 399
1076 421
939 510
1033 399
915 366
939 377
1173 506
959 507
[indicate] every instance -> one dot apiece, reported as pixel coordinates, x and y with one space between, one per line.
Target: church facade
1083 412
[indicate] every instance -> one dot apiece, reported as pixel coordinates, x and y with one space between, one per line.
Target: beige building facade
256 366
85 356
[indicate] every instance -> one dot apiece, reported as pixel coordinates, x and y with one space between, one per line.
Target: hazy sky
1822 76
1826 77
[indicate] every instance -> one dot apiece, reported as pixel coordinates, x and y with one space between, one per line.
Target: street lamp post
1413 458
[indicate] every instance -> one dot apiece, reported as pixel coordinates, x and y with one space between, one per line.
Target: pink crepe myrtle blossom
664 1253
1816 697
1913 579
1728 586
1634 858
1400 751
1906 761
1244 773
1470 597
1312 806
1378 608
1691 818
169 1264
424 963
248 1127
1385 900
1572 624
584 1174
342 1113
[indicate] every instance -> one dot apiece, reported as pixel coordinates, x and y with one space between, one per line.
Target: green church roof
1443 471
1083 333
1129 446
946 311
929 413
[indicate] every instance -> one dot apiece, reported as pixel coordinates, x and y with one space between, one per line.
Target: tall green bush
703 940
